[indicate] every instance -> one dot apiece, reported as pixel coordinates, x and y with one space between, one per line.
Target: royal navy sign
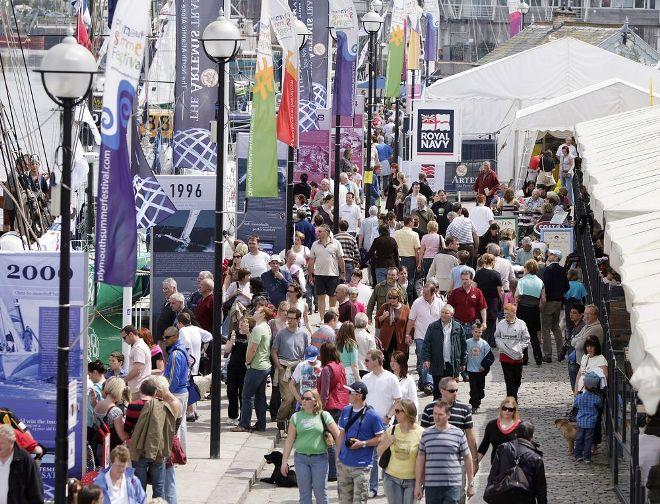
436 132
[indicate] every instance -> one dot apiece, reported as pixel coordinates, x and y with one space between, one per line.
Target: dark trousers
235 378
332 451
448 371
410 264
489 333
477 386
531 315
512 378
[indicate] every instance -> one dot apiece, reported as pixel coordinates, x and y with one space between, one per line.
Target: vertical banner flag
343 18
431 42
395 52
281 19
262 154
414 40
195 87
515 17
116 229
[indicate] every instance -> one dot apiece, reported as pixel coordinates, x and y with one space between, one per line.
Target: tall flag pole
396 48
414 39
262 154
343 18
431 43
116 228
282 19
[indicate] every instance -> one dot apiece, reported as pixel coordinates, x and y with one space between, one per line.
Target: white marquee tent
490 95
633 245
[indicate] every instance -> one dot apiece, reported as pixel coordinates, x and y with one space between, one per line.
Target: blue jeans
424 376
312 474
567 182
157 472
349 271
254 393
309 294
373 475
573 370
381 275
170 485
583 442
442 494
398 490
332 450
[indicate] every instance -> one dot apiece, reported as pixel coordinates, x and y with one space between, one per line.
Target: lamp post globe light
302 37
221 41
67 72
524 9
371 22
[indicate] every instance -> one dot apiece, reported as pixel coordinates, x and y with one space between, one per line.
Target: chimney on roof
561 16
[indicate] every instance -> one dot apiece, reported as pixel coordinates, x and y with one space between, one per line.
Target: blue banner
29 290
343 19
116 228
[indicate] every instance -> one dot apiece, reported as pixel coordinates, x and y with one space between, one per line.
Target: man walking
556 284
379 295
139 360
443 350
384 392
438 467
512 337
487 183
326 268
255 260
423 312
469 303
276 281
360 431
462 228
176 371
349 247
20 481
408 245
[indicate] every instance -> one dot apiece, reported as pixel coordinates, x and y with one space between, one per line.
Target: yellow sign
368 177
159 120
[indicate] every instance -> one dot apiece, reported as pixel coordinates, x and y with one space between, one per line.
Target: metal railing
621 416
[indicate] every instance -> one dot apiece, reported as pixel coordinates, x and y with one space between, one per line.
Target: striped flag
396 48
281 19
262 154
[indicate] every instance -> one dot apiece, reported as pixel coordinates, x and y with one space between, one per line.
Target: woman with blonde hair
403 441
110 410
348 351
307 433
391 320
430 245
500 430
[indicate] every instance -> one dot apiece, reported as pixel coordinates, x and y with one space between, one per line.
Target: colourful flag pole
414 39
282 19
431 43
396 48
343 18
262 154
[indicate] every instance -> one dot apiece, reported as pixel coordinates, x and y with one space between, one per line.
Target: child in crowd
508 244
510 295
116 363
576 294
477 365
587 403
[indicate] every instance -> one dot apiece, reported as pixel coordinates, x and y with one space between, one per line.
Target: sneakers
587 461
428 390
547 360
192 418
232 421
579 459
475 409
373 493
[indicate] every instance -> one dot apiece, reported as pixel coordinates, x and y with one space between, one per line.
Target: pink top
431 242
509 297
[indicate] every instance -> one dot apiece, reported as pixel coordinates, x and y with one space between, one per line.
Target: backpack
102 429
511 485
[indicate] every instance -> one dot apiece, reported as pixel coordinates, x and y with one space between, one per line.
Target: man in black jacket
556 284
530 460
23 484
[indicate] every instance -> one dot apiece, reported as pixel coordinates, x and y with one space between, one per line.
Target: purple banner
431 41
344 88
195 88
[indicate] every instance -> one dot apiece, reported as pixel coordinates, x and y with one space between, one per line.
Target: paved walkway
544 396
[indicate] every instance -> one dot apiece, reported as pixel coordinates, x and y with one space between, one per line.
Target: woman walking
236 348
399 365
499 430
530 294
391 319
348 351
306 433
403 442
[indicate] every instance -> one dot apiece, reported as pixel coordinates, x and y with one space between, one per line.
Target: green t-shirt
309 432
261 336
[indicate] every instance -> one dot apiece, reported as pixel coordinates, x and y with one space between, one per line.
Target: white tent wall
491 94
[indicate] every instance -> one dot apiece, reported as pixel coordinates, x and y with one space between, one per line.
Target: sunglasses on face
507 408
451 390
397 411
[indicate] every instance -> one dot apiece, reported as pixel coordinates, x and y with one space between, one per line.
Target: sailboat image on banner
19 345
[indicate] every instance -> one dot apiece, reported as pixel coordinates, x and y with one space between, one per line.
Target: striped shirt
443 451
460 415
349 246
461 228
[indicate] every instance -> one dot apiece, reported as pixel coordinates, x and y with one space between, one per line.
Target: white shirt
446 344
383 391
481 217
505 269
139 354
364 293
366 342
116 494
571 150
424 313
256 263
352 215
409 390
192 337
4 478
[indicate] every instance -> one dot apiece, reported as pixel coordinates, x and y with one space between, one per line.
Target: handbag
511 485
384 459
327 435
177 454
194 394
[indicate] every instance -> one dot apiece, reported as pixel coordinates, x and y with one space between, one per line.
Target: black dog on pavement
275 458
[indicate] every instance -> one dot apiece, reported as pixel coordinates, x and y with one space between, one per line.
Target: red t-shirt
534 163
508 360
467 305
204 313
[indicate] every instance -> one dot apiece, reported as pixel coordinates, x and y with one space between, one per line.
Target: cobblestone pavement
544 395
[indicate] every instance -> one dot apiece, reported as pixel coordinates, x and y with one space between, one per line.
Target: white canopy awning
491 94
633 246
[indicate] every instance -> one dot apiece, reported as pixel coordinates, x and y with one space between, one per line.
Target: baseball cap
311 353
592 380
277 258
555 252
359 387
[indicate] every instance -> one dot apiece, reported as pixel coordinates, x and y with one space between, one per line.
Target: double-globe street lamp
221 41
67 71
302 36
371 22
